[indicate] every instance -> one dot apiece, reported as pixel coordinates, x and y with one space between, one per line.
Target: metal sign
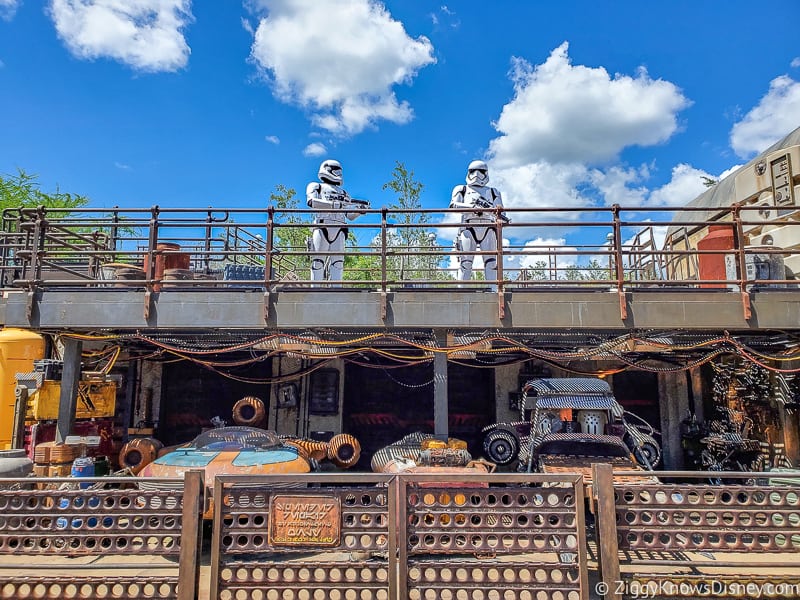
305 521
77 440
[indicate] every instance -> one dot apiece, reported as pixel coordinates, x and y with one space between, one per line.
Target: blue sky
215 102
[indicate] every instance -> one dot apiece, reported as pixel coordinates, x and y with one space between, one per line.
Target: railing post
401 527
606 528
37 248
39 236
270 246
207 244
619 270
152 242
397 549
501 305
191 535
741 259
384 242
112 245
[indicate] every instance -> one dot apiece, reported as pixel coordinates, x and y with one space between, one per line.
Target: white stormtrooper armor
329 232
477 227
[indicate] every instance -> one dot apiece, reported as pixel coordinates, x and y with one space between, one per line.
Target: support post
440 425
191 535
68 401
606 528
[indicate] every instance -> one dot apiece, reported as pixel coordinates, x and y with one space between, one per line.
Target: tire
651 453
501 446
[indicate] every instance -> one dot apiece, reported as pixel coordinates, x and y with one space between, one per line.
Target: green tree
291 232
23 191
535 272
594 271
413 240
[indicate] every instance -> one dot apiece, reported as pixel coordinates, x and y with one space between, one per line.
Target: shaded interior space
192 395
637 392
384 402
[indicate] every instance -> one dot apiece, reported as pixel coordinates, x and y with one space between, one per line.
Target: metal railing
614 248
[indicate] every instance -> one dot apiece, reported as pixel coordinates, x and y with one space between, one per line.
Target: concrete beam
576 308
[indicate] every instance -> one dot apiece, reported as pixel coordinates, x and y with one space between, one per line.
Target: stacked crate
53 460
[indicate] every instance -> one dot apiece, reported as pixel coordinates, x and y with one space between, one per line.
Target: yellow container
95 399
18 349
430 443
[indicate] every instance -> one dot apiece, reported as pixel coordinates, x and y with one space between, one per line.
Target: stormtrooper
329 232
477 228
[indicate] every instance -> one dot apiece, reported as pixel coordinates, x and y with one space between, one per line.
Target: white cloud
342 64
8 9
776 115
728 171
541 184
796 62
549 251
561 134
122 166
574 186
686 185
315 149
273 139
566 113
445 16
146 35
614 184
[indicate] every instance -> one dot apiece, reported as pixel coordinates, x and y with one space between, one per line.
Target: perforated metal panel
732 518
296 537
83 522
456 536
503 537
52 529
693 539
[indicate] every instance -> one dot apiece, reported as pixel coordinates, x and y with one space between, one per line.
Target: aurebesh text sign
305 521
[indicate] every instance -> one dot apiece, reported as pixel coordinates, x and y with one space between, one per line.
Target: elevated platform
451 309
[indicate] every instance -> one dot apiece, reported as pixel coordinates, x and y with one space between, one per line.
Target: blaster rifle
359 206
485 204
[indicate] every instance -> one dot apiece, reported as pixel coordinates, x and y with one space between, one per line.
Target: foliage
535 272
709 181
23 191
291 233
412 240
594 271
542 271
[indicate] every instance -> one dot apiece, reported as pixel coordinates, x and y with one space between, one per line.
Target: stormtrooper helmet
330 171
477 173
